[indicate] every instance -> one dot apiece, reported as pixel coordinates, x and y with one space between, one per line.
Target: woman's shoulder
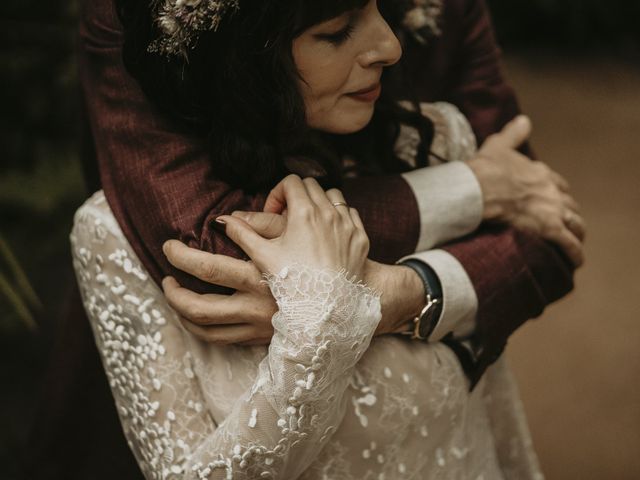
96 215
453 139
98 244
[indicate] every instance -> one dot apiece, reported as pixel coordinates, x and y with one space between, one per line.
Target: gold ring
340 204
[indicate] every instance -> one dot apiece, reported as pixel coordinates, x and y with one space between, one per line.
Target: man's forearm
515 276
159 183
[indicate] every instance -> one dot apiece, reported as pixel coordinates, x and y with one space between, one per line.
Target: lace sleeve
323 327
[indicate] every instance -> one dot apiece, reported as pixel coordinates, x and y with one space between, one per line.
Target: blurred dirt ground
578 366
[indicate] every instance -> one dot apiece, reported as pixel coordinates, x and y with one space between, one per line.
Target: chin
351 122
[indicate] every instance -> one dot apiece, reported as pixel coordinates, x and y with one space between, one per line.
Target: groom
154 177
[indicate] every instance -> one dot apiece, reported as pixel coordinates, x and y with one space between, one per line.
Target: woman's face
341 62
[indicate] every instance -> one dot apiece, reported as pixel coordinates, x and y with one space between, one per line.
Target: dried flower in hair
422 20
182 21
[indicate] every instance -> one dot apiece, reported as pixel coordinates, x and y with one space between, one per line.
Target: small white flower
168 25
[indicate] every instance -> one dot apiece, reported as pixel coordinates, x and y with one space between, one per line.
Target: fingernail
220 221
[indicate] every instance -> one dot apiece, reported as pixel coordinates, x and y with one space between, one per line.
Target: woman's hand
527 194
244 318
321 232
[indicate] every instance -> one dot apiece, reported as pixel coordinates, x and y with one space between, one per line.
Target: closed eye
342 35
338 38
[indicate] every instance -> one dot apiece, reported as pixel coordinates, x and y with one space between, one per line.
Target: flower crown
182 21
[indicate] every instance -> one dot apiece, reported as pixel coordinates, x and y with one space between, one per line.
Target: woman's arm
175 427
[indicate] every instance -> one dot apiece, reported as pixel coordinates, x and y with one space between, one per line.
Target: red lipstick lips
369 94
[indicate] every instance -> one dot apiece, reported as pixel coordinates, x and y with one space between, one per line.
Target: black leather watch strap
427 321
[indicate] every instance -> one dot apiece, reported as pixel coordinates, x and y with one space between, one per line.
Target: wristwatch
422 326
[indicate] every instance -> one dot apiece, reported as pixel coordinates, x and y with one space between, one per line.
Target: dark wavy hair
238 90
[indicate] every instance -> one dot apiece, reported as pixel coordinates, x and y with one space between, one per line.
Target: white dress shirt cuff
449 201
460 302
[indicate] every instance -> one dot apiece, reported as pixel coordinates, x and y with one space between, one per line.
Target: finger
335 196
208 309
576 225
570 245
221 334
245 237
286 194
275 202
570 203
560 181
212 268
267 225
355 216
317 193
516 132
256 342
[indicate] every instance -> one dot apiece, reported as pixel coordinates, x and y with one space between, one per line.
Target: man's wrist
425 322
486 172
415 298
402 299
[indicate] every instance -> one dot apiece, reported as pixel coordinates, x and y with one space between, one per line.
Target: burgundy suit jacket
160 186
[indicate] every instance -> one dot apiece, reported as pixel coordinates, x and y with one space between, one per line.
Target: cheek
326 77
327 73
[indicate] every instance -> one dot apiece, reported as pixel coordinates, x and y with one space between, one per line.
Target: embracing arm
500 277
160 181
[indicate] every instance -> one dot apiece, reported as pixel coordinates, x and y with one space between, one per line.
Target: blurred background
575 65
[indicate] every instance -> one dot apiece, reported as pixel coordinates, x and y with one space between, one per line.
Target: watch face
425 326
427 320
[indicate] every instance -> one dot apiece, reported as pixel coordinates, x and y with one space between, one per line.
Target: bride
323 400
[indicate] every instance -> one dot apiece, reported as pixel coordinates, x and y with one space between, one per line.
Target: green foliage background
41 179
40 186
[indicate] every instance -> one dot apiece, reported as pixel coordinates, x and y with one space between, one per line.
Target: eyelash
340 37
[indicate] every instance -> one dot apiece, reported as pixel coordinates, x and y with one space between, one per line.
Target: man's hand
244 317
527 194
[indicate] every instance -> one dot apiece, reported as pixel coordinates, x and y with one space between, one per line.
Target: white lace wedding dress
323 401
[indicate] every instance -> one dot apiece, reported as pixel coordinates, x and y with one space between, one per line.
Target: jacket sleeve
527 274
515 275
160 180
476 81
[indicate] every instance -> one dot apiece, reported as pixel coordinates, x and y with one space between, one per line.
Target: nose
385 47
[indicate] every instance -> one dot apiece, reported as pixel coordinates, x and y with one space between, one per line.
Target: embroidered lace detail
453 138
324 400
324 324
323 327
